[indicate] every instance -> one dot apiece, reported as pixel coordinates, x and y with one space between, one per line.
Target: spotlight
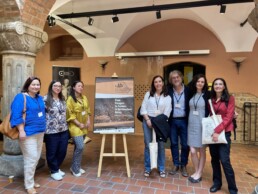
115 19
51 21
222 9
158 14
90 22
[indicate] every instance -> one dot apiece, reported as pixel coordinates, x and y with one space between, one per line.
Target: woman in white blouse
155 102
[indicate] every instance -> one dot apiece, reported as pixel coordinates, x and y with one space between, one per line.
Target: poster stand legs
114 154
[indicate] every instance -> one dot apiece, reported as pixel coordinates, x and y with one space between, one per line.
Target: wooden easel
114 154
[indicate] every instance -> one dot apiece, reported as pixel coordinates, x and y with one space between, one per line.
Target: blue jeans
161 149
178 128
56 146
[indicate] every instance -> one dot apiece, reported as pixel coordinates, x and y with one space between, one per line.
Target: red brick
132 188
157 185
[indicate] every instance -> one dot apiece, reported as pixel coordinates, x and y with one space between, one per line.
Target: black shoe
214 188
184 171
174 170
192 180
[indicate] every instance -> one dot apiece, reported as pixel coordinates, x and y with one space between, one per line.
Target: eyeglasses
57 86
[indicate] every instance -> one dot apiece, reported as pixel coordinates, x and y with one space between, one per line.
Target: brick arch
35 12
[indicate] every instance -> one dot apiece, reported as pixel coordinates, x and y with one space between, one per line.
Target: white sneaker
82 171
74 174
56 176
62 173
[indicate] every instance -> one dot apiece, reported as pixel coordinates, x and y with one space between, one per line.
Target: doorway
189 69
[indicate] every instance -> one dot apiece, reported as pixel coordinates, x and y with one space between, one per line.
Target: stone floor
114 177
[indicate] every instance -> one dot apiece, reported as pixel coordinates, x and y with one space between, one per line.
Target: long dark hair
49 100
27 83
72 93
195 79
153 89
225 94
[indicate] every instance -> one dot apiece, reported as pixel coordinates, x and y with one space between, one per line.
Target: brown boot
184 171
174 170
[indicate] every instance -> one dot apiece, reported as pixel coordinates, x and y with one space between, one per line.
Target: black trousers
56 146
220 154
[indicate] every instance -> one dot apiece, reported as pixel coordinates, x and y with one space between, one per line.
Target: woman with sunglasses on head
224 105
198 105
56 135
78 118
31 129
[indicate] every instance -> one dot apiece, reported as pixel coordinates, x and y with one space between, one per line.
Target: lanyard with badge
177 105
195 112
157 112
83 107
40 113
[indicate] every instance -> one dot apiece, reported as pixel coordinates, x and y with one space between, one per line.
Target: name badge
195 112
157 112
40 114
83 113
177 106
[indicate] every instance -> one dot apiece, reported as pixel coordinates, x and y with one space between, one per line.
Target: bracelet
147 119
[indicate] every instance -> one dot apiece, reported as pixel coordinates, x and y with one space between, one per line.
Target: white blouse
152 105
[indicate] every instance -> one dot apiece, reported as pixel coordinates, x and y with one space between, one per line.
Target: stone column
19 44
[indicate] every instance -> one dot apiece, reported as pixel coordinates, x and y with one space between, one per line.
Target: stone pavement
114 177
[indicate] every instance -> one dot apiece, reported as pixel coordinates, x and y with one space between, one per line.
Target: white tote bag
208 126
153 151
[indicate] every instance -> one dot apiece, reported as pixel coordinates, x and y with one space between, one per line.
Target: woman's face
78 88
200 84
34 87
218 86
158 84
56 88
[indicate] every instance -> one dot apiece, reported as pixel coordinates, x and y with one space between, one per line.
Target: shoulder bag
208 126
5 126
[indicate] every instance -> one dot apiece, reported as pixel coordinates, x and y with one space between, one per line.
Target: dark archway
189 69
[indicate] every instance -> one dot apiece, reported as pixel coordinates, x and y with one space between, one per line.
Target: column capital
20 38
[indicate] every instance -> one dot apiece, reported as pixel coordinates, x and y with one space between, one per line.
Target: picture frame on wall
66 75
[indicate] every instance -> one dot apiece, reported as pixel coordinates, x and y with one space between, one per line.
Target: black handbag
139 116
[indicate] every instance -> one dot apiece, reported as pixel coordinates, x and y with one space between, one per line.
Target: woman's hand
22 135
88 124
215 137
149 123
81 126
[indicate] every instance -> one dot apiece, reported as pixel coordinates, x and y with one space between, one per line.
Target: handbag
139 116
153 146
208 126
5 126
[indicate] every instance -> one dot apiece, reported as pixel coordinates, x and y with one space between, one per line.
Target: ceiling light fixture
90 22
51 21
222 9
158 14
115 19
151 8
